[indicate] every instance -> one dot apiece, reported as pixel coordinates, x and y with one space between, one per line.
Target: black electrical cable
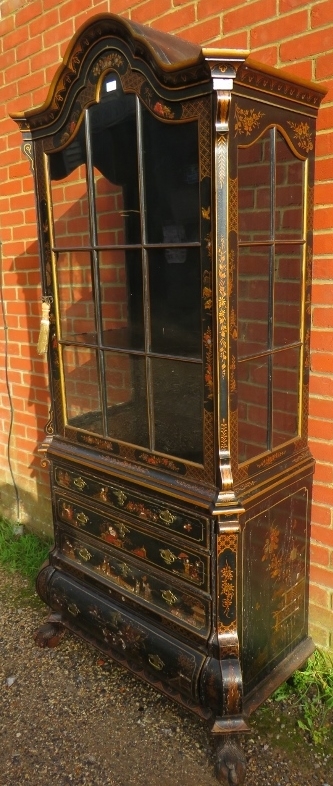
5 327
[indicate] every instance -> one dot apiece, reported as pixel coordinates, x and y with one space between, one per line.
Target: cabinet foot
50 633
231 764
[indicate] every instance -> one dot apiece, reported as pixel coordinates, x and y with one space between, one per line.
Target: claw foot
231 764
51 633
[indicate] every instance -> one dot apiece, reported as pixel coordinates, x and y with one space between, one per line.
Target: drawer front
191 567
179 605
135 505
156 657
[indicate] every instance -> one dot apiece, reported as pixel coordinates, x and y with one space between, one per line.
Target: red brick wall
33 37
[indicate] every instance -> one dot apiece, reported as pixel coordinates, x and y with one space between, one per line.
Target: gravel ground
67 716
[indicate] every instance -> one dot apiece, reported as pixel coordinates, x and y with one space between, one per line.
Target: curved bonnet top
175 63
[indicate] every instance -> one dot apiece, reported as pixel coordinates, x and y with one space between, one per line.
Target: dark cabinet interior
173 188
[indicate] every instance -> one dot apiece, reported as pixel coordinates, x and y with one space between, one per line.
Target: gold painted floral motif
266 462
96 441
207 290
233 324
233 698
233 374
303 135
271 555
227 588
158 461
161 109
70 128
141 510
207 337
109 61
246 120
205 212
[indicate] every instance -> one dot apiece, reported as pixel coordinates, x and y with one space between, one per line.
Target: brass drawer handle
73 609
167 517
168 556
121 497
85 555
82 518
156 662
80 483
122 530
169 597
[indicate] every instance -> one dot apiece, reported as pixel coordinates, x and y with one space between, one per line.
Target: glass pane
82 388
288 192
171 164
121 299
253 299
253 395
178 408
126 398
286 373
77 310
115 162
175 301
287 294
254 190
69 194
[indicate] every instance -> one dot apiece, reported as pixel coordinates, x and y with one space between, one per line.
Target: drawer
156 657
190 566
134 504
179 605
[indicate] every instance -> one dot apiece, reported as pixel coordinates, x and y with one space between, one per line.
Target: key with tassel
44 331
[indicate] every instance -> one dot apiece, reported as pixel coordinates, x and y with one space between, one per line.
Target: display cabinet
174 193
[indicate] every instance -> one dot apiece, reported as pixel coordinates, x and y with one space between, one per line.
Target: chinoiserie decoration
174 188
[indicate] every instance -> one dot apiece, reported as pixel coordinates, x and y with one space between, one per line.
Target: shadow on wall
35 510
27 498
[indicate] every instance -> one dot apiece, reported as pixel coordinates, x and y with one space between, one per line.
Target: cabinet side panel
275 580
